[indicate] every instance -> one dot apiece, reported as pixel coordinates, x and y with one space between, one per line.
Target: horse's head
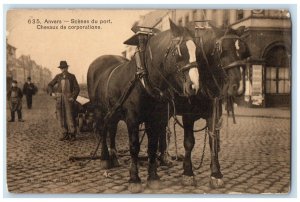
230 54
178 59
185 60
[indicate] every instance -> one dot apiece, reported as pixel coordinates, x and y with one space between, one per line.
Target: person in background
14 97
68 90
29 89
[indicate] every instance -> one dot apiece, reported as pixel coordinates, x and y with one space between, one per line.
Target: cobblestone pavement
254 158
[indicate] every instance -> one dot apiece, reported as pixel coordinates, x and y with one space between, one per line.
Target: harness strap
161 74
230 107
188 67
235 64
121 100
109 77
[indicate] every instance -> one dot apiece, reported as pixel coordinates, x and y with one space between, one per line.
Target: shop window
271 80
277 71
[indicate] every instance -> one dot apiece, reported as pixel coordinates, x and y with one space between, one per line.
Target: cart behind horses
84 116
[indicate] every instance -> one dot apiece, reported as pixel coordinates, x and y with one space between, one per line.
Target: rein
218 51
109 77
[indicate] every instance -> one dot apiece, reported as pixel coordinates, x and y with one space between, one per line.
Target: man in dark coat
67 92
29 89
14 97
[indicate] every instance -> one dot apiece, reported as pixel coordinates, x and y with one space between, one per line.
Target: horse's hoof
153 184
216 183
164 160
165 163
188 180
115 162
105 164
135 187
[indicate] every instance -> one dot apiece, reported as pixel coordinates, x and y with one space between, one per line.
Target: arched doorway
277 77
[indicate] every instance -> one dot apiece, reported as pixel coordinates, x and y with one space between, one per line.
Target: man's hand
71 99
52 94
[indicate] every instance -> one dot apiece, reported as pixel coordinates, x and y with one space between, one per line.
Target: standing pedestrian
14 97
29 89
67 92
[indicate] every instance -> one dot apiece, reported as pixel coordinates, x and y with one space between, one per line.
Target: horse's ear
240 31
174 29
219 33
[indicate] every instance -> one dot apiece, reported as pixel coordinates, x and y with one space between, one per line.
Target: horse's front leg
154 129
135 185
216 180
189 142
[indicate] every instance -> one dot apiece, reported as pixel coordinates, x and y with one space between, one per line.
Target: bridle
217 51
172 48
175 45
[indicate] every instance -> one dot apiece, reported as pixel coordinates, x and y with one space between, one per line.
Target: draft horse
220 56
117 93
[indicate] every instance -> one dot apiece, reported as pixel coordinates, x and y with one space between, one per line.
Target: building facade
23 67
268 76
10 63
268 35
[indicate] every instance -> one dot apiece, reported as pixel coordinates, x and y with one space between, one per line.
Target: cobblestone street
254 157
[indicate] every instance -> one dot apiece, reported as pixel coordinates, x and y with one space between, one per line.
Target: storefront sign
257 83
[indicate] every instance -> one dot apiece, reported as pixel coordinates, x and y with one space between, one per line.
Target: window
277 71
239 14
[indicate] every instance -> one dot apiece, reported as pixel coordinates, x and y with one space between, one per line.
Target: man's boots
12 114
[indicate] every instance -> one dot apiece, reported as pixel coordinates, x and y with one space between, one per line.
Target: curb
259 116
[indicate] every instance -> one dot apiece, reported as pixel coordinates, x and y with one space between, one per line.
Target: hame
52 21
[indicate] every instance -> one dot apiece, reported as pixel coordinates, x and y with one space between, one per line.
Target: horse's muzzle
189 89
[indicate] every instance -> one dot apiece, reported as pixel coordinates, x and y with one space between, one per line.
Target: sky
78 47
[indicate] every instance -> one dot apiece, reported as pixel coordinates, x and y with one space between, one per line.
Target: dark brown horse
220 57
118 95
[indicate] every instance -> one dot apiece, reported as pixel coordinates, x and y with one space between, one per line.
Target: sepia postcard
167 101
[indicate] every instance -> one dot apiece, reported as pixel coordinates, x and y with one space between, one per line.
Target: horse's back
99 71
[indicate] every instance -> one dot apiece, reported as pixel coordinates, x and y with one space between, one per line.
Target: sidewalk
280 112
